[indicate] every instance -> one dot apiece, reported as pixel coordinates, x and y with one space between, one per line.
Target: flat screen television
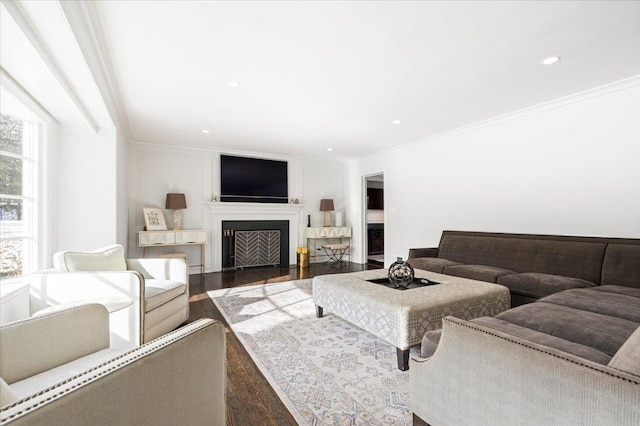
253 180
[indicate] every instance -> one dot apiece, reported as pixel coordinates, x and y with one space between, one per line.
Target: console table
187 237
313 234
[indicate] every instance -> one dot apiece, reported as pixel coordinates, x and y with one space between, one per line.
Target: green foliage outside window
11 250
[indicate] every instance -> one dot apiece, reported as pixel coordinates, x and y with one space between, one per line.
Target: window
18 201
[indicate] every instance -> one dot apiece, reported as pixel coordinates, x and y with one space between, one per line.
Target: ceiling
319 75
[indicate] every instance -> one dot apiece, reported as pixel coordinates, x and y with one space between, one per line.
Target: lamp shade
176 201
326 205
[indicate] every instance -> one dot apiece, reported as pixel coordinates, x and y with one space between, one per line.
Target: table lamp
326 206
176 202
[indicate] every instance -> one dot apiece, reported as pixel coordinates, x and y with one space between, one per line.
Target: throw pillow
109 258
628 356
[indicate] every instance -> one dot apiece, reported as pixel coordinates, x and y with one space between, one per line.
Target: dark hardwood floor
250 398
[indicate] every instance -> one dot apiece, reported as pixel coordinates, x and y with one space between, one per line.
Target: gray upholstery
601 332
628 356
628 291
477 272
482 376
432 264
621 265
539 285
599 302
533 266
431 339
572 257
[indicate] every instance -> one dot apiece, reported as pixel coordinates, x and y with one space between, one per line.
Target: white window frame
41 130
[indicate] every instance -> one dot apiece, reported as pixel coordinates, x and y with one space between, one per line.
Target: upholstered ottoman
401 317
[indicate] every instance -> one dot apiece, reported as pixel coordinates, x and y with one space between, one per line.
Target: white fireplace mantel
221 211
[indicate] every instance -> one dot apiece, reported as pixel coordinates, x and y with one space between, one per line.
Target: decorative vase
401 274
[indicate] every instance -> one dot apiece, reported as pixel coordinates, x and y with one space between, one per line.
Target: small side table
313 234
14 301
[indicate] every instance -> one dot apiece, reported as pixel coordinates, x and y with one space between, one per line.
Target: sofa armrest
50 288
33 345
176 379
492 377
423 252
160 269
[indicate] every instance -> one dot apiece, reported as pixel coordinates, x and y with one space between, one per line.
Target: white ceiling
318 75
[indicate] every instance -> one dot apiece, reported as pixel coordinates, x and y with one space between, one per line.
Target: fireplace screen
257 248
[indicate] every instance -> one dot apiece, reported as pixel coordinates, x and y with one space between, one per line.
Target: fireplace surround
221 211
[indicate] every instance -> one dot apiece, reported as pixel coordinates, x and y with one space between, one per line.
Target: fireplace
249 243
292 214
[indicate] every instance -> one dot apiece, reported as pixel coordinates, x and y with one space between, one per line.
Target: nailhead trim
138 353
477 328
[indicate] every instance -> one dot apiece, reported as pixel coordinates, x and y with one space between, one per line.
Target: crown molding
584 95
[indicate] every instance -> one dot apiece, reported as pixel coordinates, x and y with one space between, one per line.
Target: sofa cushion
109 258
540 285
621 265
432 264
583 351
477 272
159 292
579 257
601 302
431 340
618 289
602 332
628 356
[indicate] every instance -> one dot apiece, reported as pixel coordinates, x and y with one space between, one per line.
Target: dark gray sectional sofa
572 357
533 266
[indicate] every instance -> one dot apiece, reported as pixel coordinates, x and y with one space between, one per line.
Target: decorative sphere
401 273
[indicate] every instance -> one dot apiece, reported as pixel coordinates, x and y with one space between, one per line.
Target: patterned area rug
326 371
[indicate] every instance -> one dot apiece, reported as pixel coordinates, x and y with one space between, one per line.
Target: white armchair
58 369
146 298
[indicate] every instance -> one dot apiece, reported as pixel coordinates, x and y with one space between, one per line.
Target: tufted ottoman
401 317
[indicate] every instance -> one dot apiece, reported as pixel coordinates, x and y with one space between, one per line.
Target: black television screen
254 180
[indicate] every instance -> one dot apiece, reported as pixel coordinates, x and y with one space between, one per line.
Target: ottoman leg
318 311
403 359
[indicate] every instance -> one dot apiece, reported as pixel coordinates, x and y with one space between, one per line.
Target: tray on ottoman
416 283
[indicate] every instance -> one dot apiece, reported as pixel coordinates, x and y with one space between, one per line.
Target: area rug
325 370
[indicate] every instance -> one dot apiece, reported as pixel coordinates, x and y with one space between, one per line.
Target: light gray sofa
58 369
570 358
482 376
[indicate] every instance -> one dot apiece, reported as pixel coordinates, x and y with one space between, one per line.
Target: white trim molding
220 211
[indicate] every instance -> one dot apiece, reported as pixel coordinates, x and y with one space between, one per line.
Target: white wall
570 167
122 188
87 201
156 170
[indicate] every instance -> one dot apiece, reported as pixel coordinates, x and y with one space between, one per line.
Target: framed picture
154 219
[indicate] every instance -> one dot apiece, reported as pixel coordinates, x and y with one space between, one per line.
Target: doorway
375 219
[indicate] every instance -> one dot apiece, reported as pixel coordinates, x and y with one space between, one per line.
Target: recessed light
550 60
395 122
205 131
234 84
329 149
